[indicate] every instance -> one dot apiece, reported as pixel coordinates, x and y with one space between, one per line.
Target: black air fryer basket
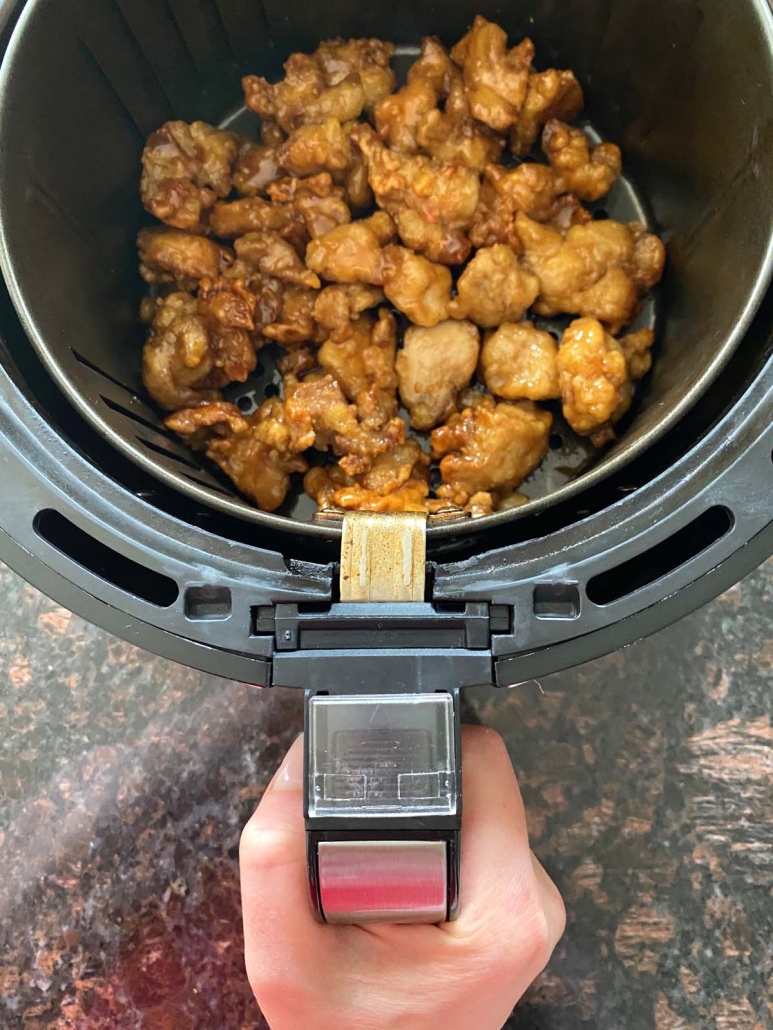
104 510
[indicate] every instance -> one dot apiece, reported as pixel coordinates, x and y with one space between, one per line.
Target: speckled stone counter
125 781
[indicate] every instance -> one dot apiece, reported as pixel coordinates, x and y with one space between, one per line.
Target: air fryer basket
83 85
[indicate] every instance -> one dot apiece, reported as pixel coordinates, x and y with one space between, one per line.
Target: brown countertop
125 781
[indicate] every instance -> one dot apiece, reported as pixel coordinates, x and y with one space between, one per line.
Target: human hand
465 975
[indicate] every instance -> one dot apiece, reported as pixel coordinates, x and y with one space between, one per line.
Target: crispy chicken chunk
438 200
530 188
518 362
256 214
551 94
258 453
366 58
257 166
303 96
198 345
433 366
637 348
593 378
320 404
494 288
317 200
171 256
496 79
268 254
398 117
587 173
489 449
337 306
316 147
411 119
452 136
397 481
363 364
295 323
599 270
416 286
185 168
352 253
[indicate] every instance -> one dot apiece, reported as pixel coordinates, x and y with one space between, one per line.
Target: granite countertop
125 781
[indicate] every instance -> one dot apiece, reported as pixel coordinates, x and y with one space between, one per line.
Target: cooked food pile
393 243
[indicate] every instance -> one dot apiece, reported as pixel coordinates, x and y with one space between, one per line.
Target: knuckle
265 847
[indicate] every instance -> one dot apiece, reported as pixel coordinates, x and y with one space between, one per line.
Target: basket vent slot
206 603
556 600
667 556
101 560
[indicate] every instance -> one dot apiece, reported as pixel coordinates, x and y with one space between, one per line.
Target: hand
465 975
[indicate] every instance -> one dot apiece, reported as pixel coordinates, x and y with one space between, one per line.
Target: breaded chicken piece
268 254
494 288
518 362
199 344
368 59
171 256
397 117
438 200
490 448
398 480
257 166
593 379
316 200
185 168
588 173
416 286
231 219
362 361
551 94
316 147
599 270
352 253
496 79
295 324
258 453
304 97
337 306
433 366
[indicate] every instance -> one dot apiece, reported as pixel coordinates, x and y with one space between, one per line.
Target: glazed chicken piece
452 136
256 214
599 270
594 381
397 117
304 97
496 79
489 449
518 362
257 166
171 256
398 480
258 453
494 288
363 364
336 307
185 168
433 366
319 404
530 188
316 200
416 286
368 59
587 173
431 203
551 94
352 253
637 348
295 323
198 345
316 147
268 254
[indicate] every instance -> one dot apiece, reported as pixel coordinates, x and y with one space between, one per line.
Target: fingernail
289 775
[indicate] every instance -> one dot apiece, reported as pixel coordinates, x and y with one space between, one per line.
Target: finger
280 932
503 892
